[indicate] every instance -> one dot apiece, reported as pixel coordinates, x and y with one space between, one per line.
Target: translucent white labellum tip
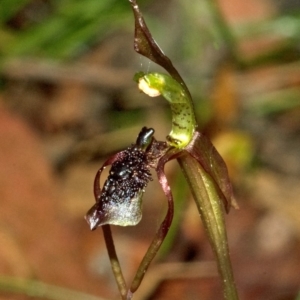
144 87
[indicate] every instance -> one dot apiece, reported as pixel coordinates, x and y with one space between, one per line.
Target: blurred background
68 102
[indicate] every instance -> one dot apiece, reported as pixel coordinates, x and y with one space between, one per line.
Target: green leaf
10 7
208 201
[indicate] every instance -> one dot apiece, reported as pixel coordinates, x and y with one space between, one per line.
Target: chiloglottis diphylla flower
119 201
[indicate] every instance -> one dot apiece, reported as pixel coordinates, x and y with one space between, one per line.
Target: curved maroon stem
114 261
164 227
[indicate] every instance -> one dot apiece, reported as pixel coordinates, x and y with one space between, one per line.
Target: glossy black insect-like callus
120 200
145 138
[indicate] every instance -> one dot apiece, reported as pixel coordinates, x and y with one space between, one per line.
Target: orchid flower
119 201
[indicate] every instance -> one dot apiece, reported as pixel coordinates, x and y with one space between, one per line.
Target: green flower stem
212 214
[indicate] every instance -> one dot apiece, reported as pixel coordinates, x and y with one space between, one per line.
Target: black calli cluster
127 177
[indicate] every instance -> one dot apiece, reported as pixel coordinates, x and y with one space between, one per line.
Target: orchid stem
212 215
160 235
115 265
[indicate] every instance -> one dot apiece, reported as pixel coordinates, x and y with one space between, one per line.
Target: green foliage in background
65 29
59 29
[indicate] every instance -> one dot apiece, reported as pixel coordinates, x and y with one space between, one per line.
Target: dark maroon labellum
119 202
